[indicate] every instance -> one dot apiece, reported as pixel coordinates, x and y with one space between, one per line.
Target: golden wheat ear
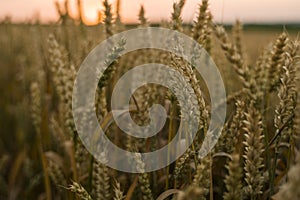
233 180
253 153
79 191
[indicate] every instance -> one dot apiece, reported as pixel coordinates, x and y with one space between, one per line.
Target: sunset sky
254 11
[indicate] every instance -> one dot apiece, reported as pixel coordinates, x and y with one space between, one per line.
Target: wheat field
42 156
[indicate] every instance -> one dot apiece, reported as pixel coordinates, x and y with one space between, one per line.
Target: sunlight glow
223 10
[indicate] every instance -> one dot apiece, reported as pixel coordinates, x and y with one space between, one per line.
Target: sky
226 11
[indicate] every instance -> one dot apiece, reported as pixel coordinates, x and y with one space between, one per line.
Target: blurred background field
17 54
28 141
